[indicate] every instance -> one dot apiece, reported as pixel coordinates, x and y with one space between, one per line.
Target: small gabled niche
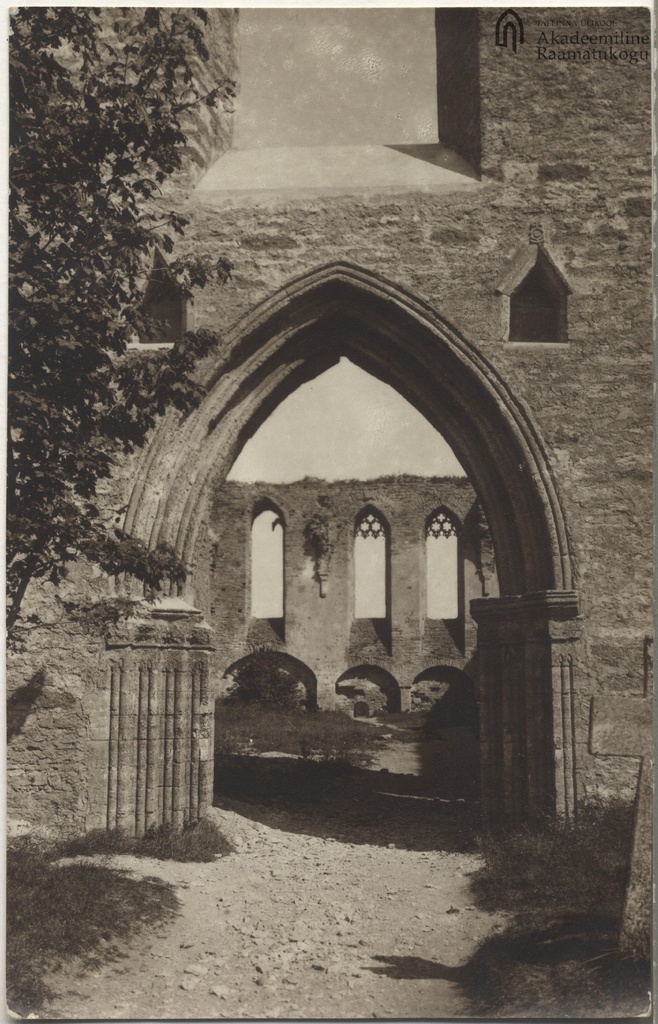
535 296
164 305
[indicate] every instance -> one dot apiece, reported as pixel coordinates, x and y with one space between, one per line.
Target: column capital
167 623
552 614
540 603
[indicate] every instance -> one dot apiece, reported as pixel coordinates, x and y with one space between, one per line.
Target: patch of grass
411 720
559 866
406 726
197 841
563 882
322 735
57 912
569 969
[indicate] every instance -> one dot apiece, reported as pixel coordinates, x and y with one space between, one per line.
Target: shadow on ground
447 760
415 968
64 919
570 968
337 801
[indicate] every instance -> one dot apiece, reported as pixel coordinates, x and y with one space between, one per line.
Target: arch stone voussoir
299 332
526 658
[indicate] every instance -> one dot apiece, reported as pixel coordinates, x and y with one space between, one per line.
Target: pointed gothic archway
342 310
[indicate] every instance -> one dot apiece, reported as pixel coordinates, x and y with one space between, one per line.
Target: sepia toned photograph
329 513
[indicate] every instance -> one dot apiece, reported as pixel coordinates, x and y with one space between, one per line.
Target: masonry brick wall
563 145
55 706
321 631
566 146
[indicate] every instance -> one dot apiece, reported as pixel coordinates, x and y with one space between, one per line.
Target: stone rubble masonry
210 129
562 146
52 703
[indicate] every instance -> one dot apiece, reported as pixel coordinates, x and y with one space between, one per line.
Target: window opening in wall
164 305
370 567
442 561
538 305
267 566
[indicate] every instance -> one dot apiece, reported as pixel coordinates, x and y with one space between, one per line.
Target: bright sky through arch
344 425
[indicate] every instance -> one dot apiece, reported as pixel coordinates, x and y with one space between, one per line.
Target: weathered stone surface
623 726
556 439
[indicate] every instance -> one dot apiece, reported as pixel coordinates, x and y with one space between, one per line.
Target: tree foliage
262 679
98 102
317 545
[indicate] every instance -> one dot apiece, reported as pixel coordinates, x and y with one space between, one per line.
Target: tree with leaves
99 99
263 679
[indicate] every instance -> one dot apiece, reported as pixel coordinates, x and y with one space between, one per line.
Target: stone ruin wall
321 631
568 150
561 147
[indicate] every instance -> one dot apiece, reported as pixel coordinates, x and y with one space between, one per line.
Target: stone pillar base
527 657
161 724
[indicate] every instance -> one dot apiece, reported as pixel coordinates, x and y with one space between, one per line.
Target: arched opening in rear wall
256 678
448 695
369 685
305 328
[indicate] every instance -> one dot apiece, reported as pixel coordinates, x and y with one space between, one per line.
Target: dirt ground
295 926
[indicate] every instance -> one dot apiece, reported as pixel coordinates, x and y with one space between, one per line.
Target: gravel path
295 926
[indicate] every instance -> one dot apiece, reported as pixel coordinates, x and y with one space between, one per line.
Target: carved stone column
527 647
161 730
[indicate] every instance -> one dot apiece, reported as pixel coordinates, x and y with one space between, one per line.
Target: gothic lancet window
164 305
370 567
442 561
267 566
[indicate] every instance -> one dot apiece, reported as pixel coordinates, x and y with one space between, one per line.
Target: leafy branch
98 98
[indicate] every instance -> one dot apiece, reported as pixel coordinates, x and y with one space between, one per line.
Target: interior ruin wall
319 627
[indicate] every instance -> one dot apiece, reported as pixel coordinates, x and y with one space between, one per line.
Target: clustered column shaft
160 767
526 657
